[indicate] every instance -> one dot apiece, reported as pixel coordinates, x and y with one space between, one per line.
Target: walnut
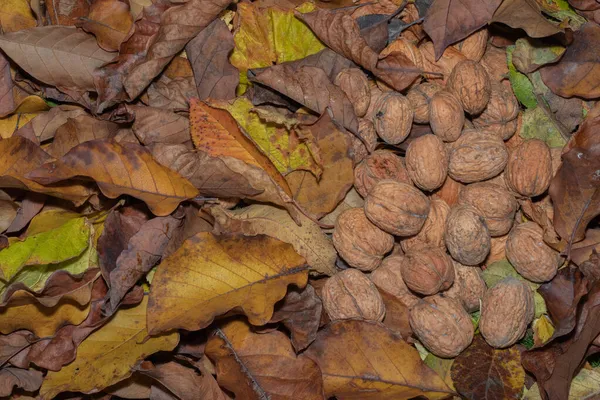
467 236
393 117
380 165
355 85
477 156
531 257
397 208
388 277
419 98
501 113
497 250
446 116
494 62
428 271
442 325
432 233
506 310
471 84
468 288
427 162
497 205
360 243
529 168
350 294
366 130
444 65
473 47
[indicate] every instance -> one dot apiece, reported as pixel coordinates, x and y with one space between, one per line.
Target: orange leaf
110 21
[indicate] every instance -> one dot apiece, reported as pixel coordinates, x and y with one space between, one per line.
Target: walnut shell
355 85
432 233
442 325
501 112
366 130
388 277
468 288
467 236
393 117
497 205
428 271
427 162
449 191
419 98
506 310
397 208
380 165
360 243
497 250
494 62
444 65
530 255
477 156
350 294
471 84
529 168
446 116
474 45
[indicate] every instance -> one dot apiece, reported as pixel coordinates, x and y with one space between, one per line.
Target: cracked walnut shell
467 236
388 277
420 98
529 168
446 116
468 288
432 233
350 294
397 208
355 85
530 255
497 205
360 243
506 310
427 162
393 117
477 156
471 84
380 165
442 325
428 271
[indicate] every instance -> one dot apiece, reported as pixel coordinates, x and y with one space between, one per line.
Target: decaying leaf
525 14
222 273
78 130
29 380
110 21
154 125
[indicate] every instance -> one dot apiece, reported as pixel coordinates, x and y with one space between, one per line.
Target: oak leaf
12 344
109 354
29 380
120 169
527 15
110 21
261 366
210 275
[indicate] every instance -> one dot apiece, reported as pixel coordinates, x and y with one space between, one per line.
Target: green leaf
521 85
536 124
51 247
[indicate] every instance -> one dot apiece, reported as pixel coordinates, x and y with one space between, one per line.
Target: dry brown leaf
120 169
172 94
7 100
45 125
31 205
78 130
210 275
527 15
365 360
153 125
110 21
12 344
29 380
307 238
262 366
66 12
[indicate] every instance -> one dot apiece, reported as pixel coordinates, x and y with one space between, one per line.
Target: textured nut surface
388 277
474 45
427 162
530 255
442 325
380 165
477 156
428 271
501 112
350 294
471 84
432 233
444 65
467 236
366 130
497 205
360 243
468 288
446 116
529 168
393 117
397 208
506 310
419 98
355 85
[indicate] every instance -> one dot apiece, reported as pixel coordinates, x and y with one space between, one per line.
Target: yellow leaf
542 330
16 15
210 275
12 123
32 104
284 149
108 355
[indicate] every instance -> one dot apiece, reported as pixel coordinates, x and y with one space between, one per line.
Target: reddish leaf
31 205
7 102
396 315
110 21
11 345
67 12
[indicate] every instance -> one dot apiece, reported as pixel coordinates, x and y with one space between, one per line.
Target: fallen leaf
531 54
7 100
543 331
153 125
110 21
136 386
56 55
449 21
442 367
262 366
66 12
521 85
172 94
537 124
218 277
578 71
109 354
31 205
45 125
484 372
585 385
582 251
79 130
208 53
28 380
306 238
527 15
364 359
8 211
352 200
136 173
16 15
12 344
396 315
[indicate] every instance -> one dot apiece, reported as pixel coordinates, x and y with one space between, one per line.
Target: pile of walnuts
448 205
